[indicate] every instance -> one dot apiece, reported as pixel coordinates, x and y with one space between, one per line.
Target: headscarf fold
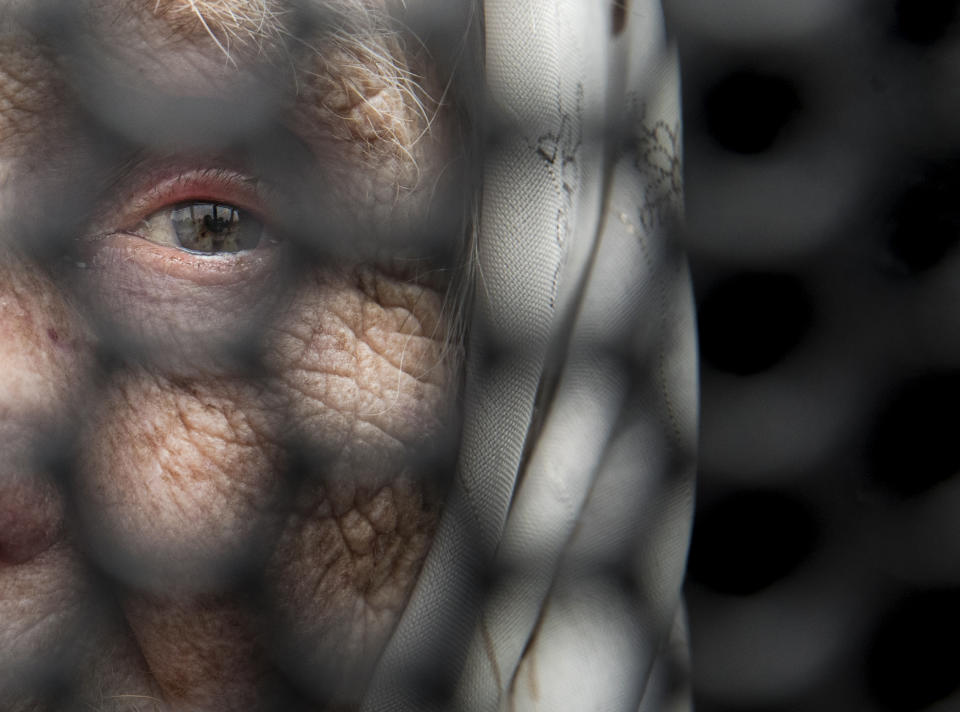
554 581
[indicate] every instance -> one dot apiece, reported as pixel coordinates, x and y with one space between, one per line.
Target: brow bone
229 23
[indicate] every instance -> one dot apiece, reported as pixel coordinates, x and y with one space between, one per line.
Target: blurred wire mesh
167 411
215 495
822 224
821 176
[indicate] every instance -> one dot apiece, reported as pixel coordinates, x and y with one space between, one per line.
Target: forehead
222 20
335 72
200 47
244 29
240 22
331 97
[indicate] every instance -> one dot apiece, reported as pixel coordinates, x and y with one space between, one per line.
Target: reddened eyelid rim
220 186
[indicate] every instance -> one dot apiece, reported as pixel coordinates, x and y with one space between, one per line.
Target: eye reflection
209 228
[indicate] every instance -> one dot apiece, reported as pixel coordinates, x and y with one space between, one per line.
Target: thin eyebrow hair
354 47
359 74
233 24
229 23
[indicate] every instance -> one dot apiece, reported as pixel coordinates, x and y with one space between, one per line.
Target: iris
203 227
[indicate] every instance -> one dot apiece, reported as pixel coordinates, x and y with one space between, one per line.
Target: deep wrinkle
312 464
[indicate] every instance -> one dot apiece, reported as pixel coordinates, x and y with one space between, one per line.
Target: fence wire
348 356
822 226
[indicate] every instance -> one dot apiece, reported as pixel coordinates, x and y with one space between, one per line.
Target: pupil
213 227
215 223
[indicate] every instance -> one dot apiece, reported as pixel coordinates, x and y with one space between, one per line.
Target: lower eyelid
180 312
122 254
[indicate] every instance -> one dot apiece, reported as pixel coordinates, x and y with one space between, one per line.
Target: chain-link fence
822 225
347 356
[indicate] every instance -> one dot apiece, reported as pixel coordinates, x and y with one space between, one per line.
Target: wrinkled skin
183 527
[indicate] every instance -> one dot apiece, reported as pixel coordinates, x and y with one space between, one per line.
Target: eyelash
113 248
135 200
214 185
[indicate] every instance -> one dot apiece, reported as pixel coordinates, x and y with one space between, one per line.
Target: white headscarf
554 581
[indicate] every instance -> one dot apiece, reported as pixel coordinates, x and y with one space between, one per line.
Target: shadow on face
229 345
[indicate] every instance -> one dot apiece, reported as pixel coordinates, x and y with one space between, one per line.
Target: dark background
823 216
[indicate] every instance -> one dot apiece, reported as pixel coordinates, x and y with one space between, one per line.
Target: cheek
340 577
44 604
181 314
191 472
179 481
318 480
361 363
44 346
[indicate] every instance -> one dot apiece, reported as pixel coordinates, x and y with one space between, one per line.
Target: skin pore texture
220 472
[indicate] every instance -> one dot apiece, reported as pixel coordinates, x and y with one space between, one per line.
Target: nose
45 355
31 510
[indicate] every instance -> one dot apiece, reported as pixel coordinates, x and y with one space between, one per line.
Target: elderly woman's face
227 377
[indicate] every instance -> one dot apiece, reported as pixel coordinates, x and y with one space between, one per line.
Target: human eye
209 211
181 262
203 227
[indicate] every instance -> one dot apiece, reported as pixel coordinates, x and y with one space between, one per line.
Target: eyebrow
263 24
356 76
227 22
354 67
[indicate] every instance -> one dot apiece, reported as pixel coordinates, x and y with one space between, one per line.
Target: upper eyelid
338 95
121 209
267 159
316 135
